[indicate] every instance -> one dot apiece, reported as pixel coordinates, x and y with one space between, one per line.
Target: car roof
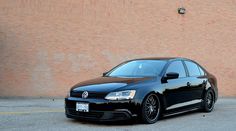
162 58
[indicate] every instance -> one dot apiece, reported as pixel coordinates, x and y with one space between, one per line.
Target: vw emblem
85 94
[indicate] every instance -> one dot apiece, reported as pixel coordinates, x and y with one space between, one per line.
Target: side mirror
172 75
104 74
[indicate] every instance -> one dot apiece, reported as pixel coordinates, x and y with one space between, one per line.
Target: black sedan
146 89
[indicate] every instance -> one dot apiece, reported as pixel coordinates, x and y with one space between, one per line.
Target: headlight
121 95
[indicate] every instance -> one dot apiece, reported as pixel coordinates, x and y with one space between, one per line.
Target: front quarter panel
144 89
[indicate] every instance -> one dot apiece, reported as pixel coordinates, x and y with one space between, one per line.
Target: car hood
107 84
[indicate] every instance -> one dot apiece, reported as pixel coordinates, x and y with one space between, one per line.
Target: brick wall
46 46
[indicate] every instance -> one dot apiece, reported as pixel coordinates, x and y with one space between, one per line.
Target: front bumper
101 110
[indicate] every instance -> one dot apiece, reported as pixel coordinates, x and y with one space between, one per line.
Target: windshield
138 68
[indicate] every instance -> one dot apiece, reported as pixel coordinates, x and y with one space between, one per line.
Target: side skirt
183 109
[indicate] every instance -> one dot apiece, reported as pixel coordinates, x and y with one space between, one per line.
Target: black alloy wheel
151 109
209 101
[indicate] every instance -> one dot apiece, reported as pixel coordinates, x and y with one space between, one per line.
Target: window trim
167 66
197 66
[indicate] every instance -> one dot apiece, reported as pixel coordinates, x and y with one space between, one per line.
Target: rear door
197 80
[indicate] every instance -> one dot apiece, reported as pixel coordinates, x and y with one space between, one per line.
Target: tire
208 101
151 109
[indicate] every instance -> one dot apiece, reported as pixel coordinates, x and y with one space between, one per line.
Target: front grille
70 104
92 106
86 114
119 115
78 94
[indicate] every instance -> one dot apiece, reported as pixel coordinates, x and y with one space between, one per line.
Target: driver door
176 90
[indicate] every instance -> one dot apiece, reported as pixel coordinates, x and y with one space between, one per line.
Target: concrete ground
48 114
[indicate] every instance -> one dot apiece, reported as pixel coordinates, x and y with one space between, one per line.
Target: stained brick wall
46 46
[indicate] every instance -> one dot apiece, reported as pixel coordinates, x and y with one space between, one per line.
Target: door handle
188 84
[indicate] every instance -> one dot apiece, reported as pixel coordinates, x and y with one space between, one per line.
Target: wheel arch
209 88
160 97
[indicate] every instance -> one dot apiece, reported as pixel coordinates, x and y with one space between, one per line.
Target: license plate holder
82 107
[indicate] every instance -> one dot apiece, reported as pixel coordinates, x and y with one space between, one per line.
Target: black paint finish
176 95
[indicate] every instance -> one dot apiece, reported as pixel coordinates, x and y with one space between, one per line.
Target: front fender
143 93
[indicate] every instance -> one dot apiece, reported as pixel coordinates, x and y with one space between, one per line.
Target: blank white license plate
83 107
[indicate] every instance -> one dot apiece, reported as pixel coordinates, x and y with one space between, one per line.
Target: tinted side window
192 68
201 71
178 67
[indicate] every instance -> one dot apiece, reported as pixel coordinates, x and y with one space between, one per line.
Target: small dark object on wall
181 10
